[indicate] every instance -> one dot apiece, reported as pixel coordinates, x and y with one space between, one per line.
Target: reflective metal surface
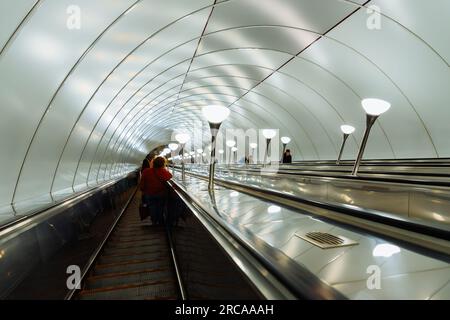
36 252
416 202
326 240
405 273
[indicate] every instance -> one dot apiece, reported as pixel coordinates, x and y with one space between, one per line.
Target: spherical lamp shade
285 140
173 146
234 149
231 143
182 138
269 133
200 150
347 129
375 107
253 145
192 153
221 151
215 114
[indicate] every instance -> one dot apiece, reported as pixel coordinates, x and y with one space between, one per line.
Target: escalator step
129 257
155 264
126 262
141 249
120 274
156 275
143 231
124 253
146 290
146 237
137 244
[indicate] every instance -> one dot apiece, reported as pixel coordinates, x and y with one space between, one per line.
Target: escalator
135 263
196 255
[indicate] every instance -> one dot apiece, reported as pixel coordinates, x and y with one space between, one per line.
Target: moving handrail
280 277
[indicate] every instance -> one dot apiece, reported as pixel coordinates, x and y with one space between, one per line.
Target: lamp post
233 150
374 108
230 144
268 134
215 116
173 146
182 138
284 141
200 152
346 130
253 146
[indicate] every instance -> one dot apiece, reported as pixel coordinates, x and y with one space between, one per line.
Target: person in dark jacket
154 189
147 163
287 157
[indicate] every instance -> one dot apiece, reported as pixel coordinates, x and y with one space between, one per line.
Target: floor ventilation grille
326 240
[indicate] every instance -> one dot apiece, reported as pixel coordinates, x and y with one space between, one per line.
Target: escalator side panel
206 269
37 256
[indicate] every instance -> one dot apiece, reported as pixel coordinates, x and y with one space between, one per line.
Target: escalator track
135 263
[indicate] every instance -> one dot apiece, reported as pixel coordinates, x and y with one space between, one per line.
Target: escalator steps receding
127 278
134 264
151 290
133 256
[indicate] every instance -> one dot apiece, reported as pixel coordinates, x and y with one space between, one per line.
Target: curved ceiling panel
82 105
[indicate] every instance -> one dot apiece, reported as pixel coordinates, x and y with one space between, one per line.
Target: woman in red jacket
154 189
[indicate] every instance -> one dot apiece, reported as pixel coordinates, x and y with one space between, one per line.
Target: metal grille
326 240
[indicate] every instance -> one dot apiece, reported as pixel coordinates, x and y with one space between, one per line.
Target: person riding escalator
154 189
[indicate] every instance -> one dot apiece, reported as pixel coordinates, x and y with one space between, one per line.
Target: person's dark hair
288 150
159 162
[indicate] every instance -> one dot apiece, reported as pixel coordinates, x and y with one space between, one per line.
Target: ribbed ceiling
80 106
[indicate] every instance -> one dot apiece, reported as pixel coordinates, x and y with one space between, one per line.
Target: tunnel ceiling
84 104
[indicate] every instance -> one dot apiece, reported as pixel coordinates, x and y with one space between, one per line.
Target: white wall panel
35 64
307 108
421 77
134 32
334 91
12 13
115 113
427 19
317 15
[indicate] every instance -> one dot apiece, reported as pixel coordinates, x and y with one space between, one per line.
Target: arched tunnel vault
83 105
